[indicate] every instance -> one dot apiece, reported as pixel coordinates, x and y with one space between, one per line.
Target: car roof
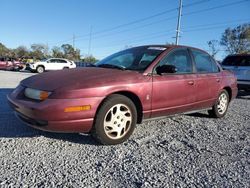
170 46
58 58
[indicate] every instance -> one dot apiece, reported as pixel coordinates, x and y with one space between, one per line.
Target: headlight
36 94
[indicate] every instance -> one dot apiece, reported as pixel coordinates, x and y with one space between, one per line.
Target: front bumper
49 115
30 67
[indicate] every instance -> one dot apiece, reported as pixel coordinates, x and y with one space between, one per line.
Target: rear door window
203 62
52 61
61 61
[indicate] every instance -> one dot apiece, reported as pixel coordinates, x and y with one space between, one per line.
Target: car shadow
201 114
243 95
12 127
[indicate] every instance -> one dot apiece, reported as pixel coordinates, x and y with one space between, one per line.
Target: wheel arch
40 66
229 91
133 97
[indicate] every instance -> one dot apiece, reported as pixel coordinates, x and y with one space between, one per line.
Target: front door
52 64
174 92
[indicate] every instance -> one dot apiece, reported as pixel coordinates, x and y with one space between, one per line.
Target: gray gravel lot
181 151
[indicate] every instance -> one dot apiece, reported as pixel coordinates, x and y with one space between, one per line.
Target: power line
151 36
131 29
170 18
212 8
216 7
161 34
142 19
84 37
205 28
207 9
147 18
219 23
90 38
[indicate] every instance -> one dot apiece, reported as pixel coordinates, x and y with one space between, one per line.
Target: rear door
174 92
52 64
208 79
61 63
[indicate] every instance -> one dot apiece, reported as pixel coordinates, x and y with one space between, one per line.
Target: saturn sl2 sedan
124 89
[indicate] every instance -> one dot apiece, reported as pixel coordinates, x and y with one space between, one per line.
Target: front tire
115 121
219 109
40 69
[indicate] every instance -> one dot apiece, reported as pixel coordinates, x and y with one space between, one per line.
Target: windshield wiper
112 66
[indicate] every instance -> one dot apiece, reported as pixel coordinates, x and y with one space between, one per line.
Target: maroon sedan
6 64
10 64
108 100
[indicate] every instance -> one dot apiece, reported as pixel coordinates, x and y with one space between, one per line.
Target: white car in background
50 64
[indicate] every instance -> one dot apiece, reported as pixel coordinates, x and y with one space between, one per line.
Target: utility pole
74 37
47 49
178 24
90 40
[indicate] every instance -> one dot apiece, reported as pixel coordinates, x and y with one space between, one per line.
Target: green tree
57 52
39 51
70 52
237 40
21 52
90 59
4 51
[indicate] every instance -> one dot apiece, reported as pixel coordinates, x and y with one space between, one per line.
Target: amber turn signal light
77 108
44 95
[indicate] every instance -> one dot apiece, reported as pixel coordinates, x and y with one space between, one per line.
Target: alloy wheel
222 103
117 121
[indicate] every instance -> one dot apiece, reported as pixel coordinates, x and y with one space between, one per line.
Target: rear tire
219 109
40 69
115 121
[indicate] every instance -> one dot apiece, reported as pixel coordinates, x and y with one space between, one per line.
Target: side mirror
166 69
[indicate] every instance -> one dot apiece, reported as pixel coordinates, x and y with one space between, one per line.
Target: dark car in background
108 100
240 65
84 64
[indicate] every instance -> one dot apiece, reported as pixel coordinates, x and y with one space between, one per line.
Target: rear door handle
190 82
217 80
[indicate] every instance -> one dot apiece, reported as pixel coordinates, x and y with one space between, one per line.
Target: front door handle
191 82
217 80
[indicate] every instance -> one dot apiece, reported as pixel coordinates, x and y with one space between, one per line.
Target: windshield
237 61
137 59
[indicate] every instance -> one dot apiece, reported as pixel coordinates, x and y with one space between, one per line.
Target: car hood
80 78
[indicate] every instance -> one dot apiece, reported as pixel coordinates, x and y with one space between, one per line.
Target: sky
104 27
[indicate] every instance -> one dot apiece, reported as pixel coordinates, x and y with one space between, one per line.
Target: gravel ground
181 151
